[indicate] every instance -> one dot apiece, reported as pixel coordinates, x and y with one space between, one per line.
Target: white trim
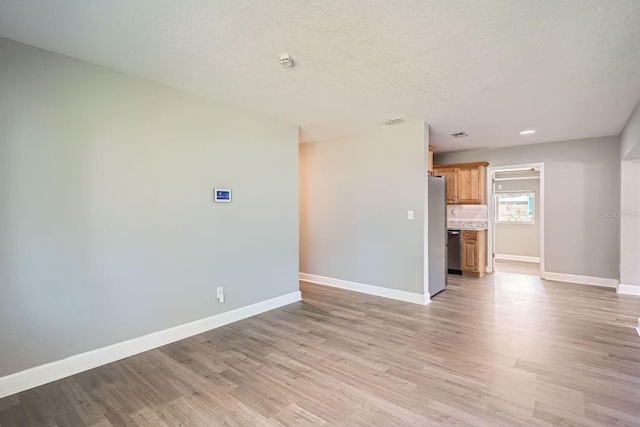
542 270
585 280
491 238
533 222
517 170
425 224
520 258
629 290
43 374
515 179
378 291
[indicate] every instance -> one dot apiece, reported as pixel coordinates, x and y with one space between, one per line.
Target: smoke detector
286 61
459 134
393 121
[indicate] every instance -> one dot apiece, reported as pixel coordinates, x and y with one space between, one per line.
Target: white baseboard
520 258
629 290
43 374
367 289
585 280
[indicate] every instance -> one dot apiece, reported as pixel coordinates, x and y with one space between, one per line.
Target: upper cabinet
466 182
430 161
451 174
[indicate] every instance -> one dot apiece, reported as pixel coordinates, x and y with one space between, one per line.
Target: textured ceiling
570 68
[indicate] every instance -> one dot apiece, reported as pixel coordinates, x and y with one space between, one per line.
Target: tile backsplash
467 212
472 216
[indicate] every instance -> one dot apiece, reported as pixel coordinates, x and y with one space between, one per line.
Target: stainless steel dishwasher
454 251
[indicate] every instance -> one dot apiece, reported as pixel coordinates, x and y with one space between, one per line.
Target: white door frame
491 238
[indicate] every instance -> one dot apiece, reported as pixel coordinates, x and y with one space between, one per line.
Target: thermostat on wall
222 195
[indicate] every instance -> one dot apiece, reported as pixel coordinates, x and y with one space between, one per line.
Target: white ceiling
569 68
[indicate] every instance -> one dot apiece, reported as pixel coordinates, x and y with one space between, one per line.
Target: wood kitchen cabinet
430 160
466 182
451 175
474 252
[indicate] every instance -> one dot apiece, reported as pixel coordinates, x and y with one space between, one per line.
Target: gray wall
582 183
355 194
107 226
520 239
630 223
630 200
630 136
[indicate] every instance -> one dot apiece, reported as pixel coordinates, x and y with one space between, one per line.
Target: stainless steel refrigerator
437 234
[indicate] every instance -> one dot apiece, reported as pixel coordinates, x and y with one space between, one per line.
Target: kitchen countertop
467 225
468 228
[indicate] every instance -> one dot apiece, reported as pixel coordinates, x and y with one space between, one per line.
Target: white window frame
497 211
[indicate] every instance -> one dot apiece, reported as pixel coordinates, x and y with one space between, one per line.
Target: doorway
516 219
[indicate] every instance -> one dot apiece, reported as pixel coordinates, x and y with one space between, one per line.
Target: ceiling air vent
393 121
459 134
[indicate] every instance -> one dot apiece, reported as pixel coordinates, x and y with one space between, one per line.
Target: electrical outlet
220 294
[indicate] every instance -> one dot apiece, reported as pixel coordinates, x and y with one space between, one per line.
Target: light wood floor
518 267
502 350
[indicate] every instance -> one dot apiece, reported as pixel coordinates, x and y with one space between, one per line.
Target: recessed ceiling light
527 132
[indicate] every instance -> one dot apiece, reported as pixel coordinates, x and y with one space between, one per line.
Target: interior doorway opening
516 219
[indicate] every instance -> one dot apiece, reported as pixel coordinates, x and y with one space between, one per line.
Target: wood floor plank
13 416
148 418
87 410
503 350
517 267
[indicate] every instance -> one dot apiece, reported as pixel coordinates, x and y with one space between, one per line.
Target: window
515 207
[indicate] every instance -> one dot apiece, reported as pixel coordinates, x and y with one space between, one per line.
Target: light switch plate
409 214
